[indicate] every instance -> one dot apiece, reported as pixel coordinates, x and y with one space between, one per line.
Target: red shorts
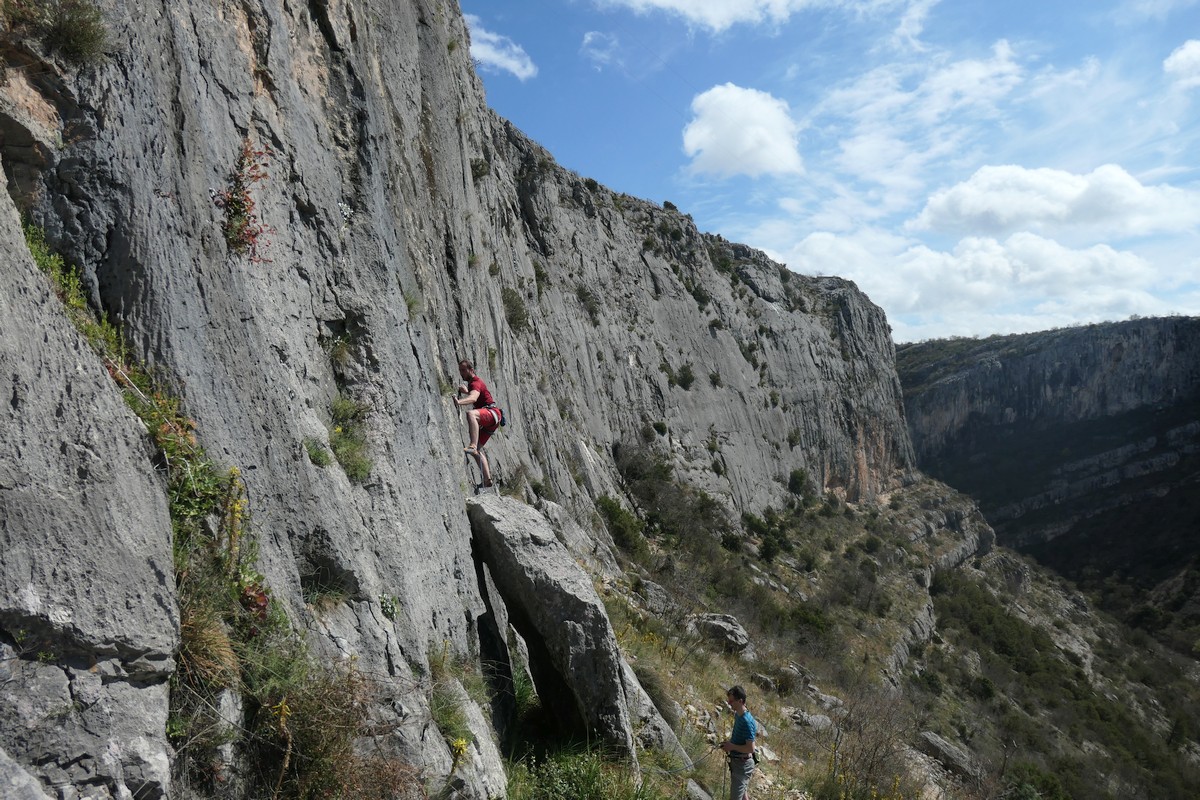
489 420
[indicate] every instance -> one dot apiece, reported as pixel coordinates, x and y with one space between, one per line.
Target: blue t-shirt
744 728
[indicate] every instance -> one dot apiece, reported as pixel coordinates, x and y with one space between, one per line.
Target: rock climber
483 418
740 745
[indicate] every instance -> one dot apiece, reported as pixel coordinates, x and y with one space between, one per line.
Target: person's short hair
467 364
737 693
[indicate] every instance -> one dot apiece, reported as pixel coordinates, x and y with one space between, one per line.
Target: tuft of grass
581 774
206 649
340 350
452 679
322 599
65 281
317 453
348 439
413 303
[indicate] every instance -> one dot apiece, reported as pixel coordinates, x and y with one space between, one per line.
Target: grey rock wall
407 226
88 618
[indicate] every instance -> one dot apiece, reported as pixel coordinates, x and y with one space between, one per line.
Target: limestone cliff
1081 445
403 226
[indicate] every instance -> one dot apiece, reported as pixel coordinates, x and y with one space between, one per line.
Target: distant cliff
1082 446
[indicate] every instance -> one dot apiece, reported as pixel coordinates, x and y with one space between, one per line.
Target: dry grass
206 652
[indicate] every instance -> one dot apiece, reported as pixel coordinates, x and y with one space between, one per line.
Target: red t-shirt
485 397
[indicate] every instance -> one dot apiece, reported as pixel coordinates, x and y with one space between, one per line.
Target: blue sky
975 167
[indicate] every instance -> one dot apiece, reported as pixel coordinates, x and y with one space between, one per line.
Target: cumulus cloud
498 53
1183 65
983 285
738 131
600 48
999 199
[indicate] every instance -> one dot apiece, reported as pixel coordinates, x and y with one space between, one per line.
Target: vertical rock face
88 619
1071 439
404 226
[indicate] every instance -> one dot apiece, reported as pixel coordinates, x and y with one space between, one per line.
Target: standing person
740 745
483 418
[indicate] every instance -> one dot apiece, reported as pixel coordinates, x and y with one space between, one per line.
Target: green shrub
625 528
686 377
75 28
589 301
540 277
514 309
244 230
665 369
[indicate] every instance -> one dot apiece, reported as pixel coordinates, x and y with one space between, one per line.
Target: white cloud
499 53
600 48
1157 9
892 126
1053 83
718 15
738 131
912 24
998 199
975 85
983 285
1183 65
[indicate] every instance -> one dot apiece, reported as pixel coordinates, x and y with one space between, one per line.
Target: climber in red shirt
483 418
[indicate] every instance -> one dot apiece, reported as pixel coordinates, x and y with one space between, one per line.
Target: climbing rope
694 762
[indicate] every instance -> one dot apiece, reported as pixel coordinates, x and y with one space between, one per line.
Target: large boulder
573 652
722 629
949 755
